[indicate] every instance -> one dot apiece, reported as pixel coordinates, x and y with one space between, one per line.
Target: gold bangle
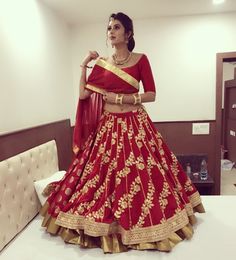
137 99
119 99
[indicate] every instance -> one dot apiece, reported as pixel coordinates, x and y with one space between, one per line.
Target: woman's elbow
152 97
84 94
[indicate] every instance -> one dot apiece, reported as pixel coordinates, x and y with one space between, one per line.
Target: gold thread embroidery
147 205
133 236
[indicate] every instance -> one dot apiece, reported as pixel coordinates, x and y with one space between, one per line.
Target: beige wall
35 66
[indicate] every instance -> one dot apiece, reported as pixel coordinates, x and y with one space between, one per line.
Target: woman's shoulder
139 57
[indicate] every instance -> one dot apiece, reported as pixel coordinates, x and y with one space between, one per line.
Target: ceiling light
217 2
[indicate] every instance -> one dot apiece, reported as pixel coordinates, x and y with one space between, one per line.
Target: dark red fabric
117 162
146 75
87 117
89 110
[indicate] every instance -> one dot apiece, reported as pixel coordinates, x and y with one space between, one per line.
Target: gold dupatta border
95 89
119 72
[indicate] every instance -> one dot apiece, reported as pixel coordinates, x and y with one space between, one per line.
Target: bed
23 238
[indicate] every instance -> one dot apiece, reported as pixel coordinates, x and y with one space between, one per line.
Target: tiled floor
228 179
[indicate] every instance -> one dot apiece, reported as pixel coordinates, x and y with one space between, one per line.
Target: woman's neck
121 53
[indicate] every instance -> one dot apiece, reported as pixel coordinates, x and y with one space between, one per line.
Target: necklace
121 62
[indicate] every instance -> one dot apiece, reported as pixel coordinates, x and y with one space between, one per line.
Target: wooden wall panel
20 141
179 138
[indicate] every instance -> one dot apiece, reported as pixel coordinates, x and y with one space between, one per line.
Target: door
230 119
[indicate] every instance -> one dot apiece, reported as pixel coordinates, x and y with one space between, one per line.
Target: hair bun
131 44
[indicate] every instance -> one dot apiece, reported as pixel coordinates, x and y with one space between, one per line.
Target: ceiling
91 11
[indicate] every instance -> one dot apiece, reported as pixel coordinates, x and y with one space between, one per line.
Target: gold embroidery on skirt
132 236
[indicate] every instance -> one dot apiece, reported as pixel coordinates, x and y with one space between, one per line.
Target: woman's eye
109 28
116 27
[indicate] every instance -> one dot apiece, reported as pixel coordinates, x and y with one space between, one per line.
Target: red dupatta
89 110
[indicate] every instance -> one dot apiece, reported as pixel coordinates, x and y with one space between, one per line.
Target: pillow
41 184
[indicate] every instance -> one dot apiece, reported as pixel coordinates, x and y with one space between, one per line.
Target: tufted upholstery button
17 177
8 216
21 206
37 166
13 196
5 185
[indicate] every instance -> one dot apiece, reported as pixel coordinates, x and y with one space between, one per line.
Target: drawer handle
233 106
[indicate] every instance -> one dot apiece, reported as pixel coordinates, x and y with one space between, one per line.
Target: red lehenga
125 188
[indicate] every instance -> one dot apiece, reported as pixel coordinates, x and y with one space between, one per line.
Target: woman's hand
92 55
109 97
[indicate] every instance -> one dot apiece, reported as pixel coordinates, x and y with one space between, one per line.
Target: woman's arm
84 93
148 96
145 97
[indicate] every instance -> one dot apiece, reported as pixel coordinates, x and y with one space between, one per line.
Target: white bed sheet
214 238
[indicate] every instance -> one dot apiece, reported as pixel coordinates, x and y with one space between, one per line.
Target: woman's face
116 32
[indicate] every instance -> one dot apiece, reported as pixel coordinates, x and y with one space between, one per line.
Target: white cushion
41 184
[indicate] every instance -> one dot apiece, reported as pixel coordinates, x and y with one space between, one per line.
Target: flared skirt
126 189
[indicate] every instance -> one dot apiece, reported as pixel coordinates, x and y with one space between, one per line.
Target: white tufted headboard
18 200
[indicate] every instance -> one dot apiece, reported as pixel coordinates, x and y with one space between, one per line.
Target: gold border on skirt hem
112 243
133 236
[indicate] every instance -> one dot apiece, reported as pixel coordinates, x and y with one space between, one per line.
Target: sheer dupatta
89 111
87 117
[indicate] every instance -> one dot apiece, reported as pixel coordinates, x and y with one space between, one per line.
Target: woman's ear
129 34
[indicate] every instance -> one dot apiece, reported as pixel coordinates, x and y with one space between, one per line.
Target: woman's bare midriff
115 108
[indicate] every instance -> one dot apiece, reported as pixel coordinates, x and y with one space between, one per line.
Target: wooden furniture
205 187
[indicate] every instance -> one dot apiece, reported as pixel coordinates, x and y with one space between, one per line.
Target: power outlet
201 128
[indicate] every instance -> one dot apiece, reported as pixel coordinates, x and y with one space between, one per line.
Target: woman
125 188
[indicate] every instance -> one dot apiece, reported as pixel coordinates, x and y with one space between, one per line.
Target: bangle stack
85 66
137 99
119 99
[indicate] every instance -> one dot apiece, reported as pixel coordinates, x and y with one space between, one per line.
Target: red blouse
106 79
